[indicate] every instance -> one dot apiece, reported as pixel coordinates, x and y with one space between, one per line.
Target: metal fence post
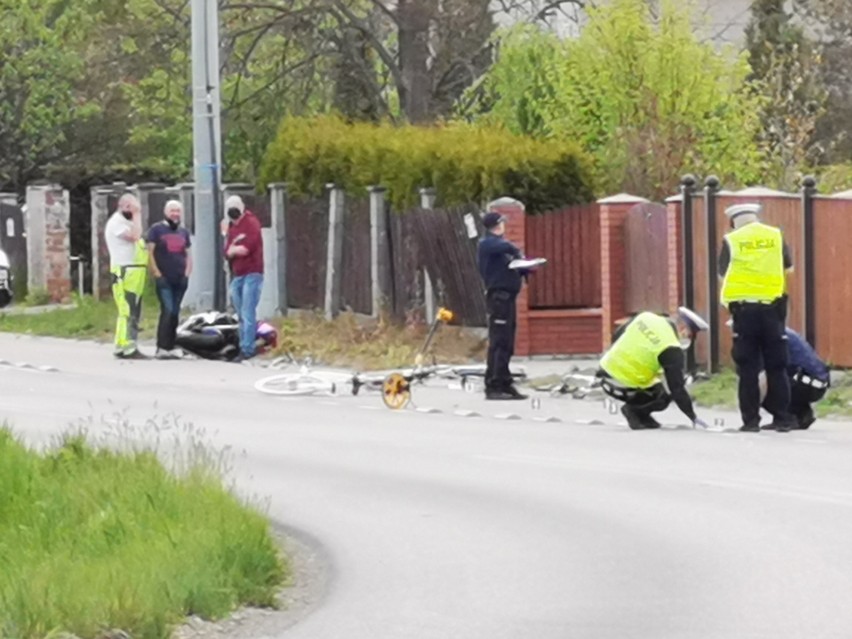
711 188
334 255
809 192
687 188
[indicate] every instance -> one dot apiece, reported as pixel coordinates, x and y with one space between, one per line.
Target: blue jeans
245 296
170 294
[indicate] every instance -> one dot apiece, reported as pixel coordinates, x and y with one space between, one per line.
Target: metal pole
711 187
206 133
808 194
687 188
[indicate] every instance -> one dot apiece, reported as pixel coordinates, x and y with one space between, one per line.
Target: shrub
463 163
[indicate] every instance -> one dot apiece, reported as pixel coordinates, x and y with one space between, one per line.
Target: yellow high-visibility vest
756 271
634 358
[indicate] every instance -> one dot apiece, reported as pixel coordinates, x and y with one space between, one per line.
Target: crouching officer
645 347
502 285
809 378
753 264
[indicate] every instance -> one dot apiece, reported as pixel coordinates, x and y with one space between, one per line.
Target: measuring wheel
396 391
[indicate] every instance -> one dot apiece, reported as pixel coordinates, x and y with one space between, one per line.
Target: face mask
234 214
173 223
128 215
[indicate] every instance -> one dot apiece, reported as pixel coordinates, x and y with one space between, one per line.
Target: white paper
471 225
515 264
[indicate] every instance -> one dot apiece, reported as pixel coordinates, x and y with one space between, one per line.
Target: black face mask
128 215
173 224
234 214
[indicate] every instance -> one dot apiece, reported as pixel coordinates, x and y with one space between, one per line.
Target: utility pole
207 153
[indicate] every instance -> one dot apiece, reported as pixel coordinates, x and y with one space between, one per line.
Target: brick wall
565 332
48 241
675 251
613 213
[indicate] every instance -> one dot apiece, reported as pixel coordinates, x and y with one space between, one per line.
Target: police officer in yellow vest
753 264
647 347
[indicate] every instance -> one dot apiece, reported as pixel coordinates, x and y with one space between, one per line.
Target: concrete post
278 215
334 263
103 199
427 202
379 253
48 241
143 191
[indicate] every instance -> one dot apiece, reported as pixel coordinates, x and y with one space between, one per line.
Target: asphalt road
441 526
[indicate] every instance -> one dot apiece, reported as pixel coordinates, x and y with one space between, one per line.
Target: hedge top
464 163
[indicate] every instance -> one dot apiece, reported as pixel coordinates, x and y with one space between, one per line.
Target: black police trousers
643 401
760 343
801 398
501 339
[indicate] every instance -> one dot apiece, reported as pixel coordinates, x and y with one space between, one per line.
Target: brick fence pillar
516 232
48 241
674 243
613 268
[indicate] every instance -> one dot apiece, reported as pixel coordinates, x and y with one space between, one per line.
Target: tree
644 96
786 71
38 71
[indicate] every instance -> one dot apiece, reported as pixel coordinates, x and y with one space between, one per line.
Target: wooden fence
570 239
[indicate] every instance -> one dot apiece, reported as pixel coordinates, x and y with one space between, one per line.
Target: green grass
720 391
95 538
90 319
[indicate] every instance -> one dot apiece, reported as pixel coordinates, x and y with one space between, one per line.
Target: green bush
93 539
464 163
835 178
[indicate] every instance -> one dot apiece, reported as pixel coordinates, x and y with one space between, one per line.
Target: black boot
633 420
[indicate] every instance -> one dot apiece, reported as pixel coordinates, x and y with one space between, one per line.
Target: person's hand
698 422
237 251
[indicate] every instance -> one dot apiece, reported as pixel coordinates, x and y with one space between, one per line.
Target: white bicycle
305 382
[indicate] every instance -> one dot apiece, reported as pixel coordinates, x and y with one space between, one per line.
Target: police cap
692 319
739 209
492 219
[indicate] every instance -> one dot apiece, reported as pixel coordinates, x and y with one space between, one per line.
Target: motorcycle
6 280
214 335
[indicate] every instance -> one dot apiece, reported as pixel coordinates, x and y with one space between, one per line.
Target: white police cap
739 209
693 319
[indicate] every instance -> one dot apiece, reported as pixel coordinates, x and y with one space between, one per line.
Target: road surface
441 526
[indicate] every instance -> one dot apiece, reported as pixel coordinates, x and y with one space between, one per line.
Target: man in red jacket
244 252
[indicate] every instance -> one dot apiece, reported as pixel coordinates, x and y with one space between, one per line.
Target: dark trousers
501 339
760 343
170 294
801 398
643 401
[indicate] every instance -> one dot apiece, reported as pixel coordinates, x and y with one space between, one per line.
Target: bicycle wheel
295 384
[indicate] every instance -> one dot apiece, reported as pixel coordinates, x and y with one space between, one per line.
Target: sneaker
632 418
134 354
162 353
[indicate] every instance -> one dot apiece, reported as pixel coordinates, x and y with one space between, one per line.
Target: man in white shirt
128 260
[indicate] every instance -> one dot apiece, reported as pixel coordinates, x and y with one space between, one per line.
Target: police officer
502 285
809 377
646 347
753 264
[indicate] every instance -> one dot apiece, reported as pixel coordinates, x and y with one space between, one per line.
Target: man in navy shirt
171 266
502 285
809 376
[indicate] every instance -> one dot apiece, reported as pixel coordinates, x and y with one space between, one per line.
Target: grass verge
720 391
93 539
372 344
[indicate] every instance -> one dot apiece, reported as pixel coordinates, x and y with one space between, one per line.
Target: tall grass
94 537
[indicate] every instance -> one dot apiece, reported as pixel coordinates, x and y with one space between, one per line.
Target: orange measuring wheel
396 391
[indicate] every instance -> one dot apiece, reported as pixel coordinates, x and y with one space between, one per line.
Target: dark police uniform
753 263
809 377
502 286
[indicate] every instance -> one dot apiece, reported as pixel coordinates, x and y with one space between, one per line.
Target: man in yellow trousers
128 259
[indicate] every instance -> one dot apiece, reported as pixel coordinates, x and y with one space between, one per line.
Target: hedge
464 163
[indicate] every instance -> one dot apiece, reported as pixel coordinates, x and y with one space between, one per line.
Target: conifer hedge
464 163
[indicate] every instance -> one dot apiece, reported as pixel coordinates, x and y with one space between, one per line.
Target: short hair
128 198
172 204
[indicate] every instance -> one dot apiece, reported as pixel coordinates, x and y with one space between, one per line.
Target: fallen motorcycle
214 335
